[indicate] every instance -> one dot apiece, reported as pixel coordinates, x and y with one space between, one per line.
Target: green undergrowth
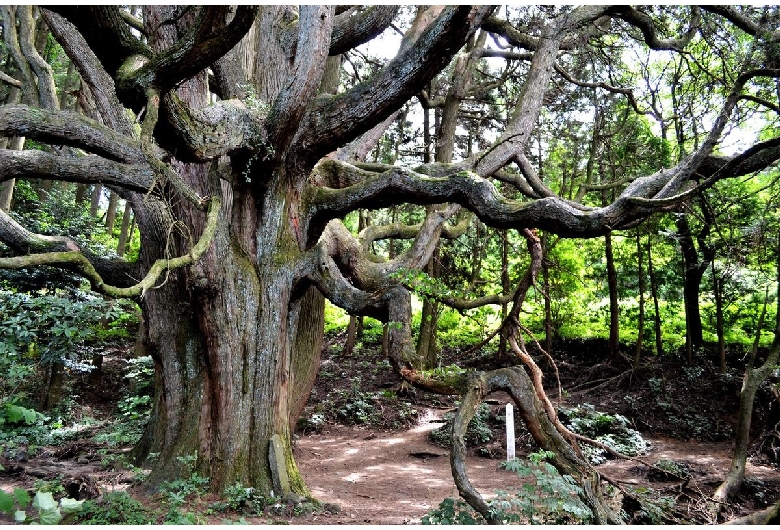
480 430
545 497
613 430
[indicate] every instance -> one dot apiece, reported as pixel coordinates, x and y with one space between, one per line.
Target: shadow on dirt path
392 478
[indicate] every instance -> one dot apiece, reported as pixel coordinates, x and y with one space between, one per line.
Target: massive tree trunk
231 364
222 336
236 338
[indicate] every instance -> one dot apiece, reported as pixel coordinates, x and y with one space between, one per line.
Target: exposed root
517 383
770 516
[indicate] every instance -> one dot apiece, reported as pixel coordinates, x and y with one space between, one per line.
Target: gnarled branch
75 260
331 121
101 84
316 24
351 30
68 128
84 169
645 24
207 40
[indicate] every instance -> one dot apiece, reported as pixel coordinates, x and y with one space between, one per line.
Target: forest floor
366 452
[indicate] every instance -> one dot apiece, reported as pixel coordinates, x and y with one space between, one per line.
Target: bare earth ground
384 478
395 478
375 478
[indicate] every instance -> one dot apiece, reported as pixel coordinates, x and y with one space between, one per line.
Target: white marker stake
510 432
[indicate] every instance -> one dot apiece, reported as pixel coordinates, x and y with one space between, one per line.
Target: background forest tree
269 161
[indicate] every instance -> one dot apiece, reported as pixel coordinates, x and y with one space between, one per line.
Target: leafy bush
548 499
355 406
612 430
478 431
53 328
135 408
451 511
115 508
247 501
177 492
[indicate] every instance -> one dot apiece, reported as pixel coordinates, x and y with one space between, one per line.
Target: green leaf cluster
612 430
115 507
47 510
546 497
55 328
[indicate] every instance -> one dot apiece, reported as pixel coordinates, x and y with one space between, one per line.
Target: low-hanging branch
77 261
399 230
478 195
68 128
85 169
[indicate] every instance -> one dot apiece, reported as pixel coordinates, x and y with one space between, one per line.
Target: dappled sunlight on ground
397 477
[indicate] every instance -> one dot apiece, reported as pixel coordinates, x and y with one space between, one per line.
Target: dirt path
380 478
397 477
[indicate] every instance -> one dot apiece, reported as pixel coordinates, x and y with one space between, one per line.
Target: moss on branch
77 261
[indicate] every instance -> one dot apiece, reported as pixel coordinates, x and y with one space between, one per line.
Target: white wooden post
510 432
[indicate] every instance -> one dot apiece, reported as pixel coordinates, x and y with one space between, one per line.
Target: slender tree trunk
777 282
641 321
349 345
752 380
130 234
717 288
505 287
7 194
44 188
659 344
52 393
548 317
477 252
692 275
124 231
614 323
111 213
7 187
17 144
427 346
94 204
82 191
